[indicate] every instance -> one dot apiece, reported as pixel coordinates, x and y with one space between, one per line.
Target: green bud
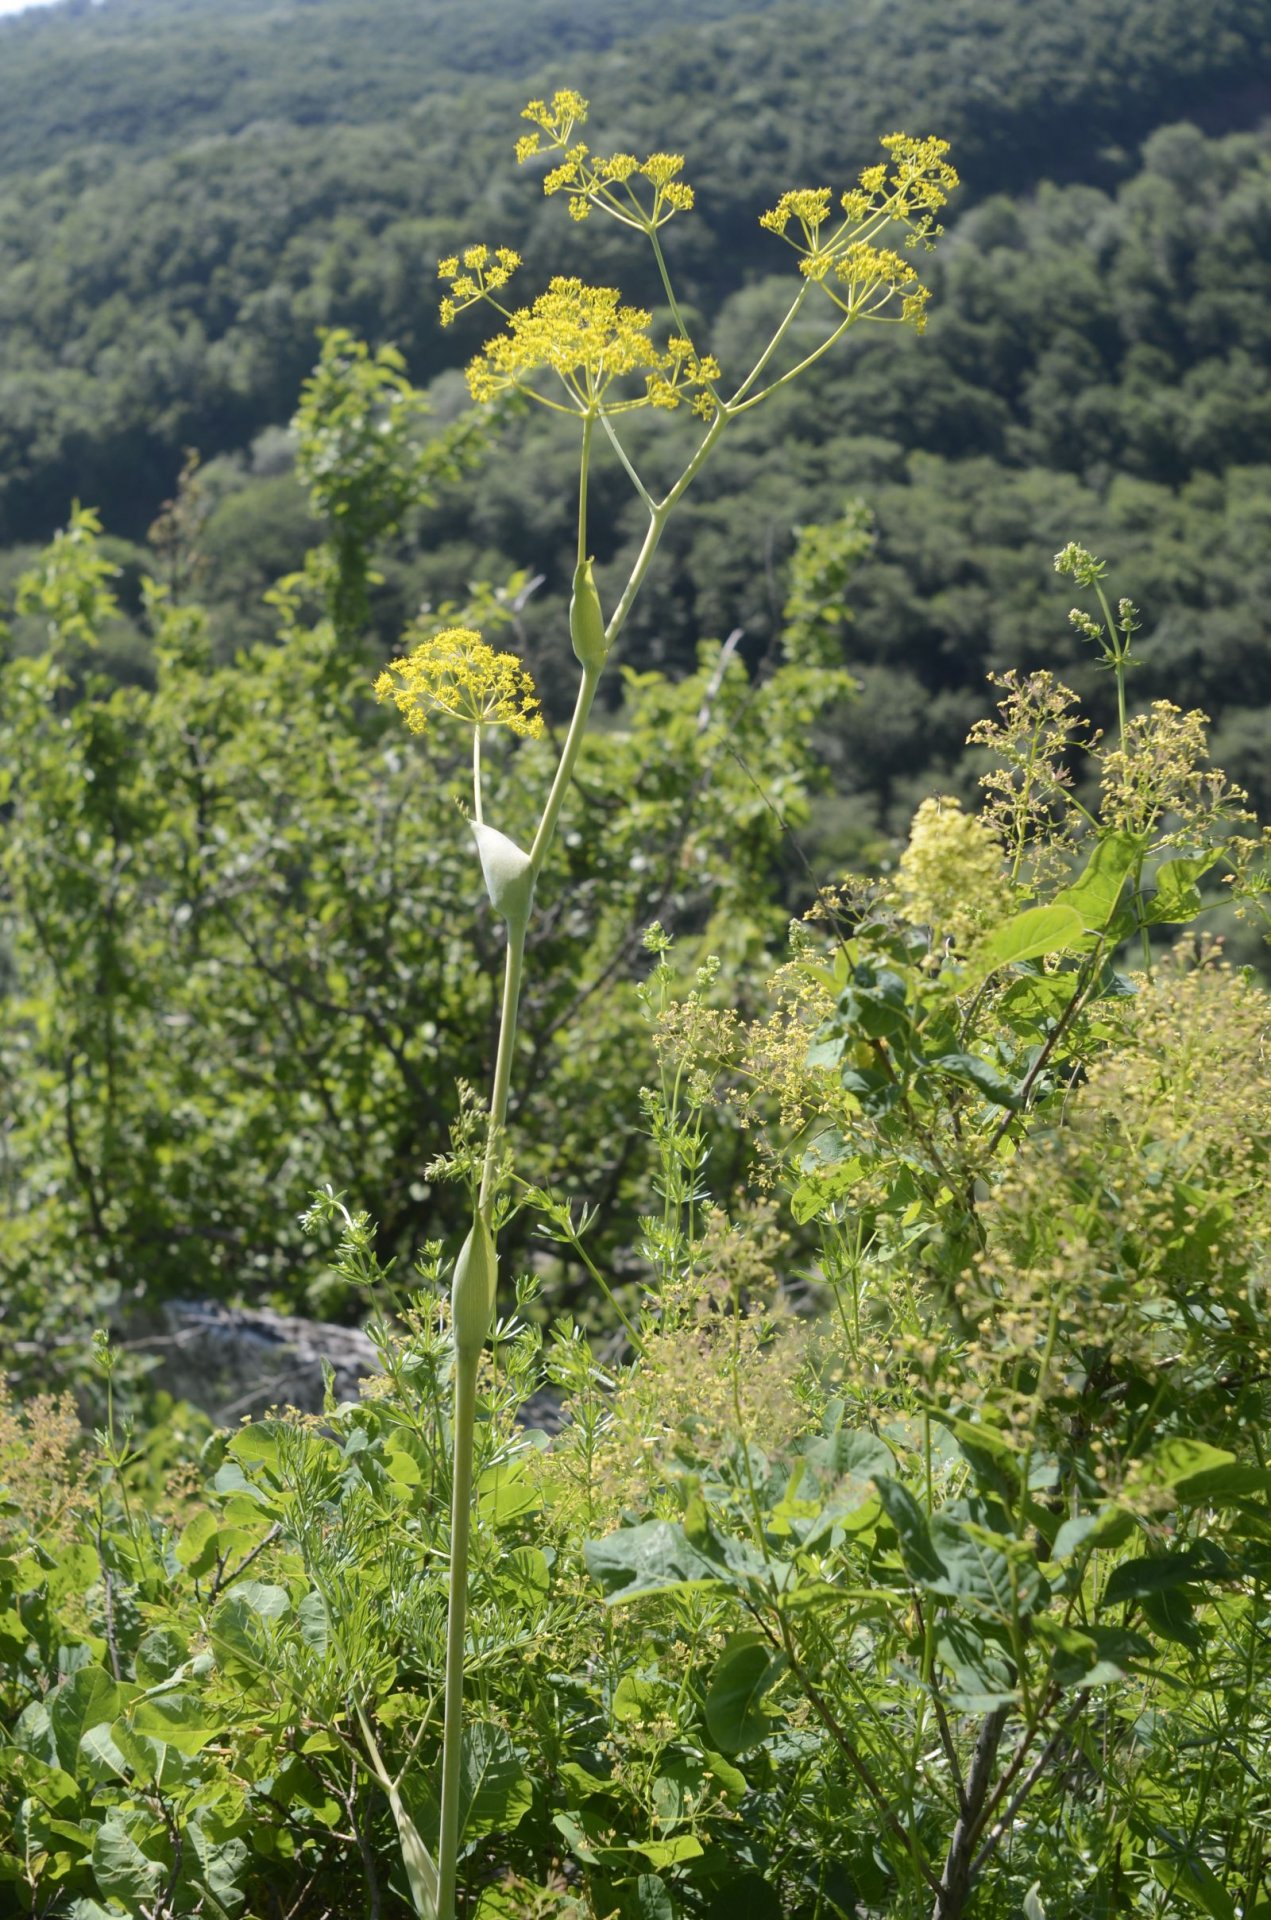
473 1288
586 621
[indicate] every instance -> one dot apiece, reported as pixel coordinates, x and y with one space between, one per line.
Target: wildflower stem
809 360
503 1060
467 1360
1119 644
622 454
671 300
584 463
771 347
476 775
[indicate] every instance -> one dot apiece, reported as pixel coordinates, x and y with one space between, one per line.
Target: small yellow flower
567 109
588 179
480 272
810 206
456 673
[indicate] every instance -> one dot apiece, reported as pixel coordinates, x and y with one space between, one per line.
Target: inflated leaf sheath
473 1288
508 879
586 621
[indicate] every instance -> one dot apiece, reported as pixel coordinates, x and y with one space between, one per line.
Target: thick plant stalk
955 1880
467 1361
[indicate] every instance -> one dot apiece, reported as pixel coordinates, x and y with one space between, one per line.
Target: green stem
512 968
771 347
465 1411
467 1359
589 423
476 775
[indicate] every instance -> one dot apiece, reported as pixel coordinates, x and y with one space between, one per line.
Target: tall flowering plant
578 349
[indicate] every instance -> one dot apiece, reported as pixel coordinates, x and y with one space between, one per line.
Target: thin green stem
476 776
625 458
770 349
1119 652
584 464
467 1360
512 967
794 372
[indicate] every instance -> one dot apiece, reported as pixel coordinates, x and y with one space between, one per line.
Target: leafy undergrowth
945 1592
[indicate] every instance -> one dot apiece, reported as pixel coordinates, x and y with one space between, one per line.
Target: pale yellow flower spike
950 875
456 673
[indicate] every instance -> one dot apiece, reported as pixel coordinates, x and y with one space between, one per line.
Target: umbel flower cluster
456 672
612 184
576 348
584 336
908 189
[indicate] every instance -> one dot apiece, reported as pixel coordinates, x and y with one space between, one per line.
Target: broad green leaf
223 1859
981 1670
159 1653
33 1733
1094 895
101 1757
525 1571
922 1562
823 1187
658 1557
983 1076
257 1446
648 1899
506 1493
1180 1457
241 1626
143 1757
1109 1527
1155 1573
976 1569
862 1456
669 1853
1174 898
74 1567
89 1698
123 1872
181 1720
639 1698
497 1791
1030 935
315 1622
731 1778
1199 1474
743 1674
